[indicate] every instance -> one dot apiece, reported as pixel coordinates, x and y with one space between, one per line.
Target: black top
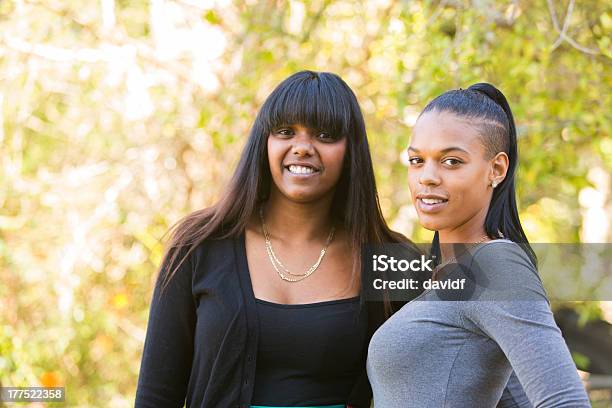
309 354
203 334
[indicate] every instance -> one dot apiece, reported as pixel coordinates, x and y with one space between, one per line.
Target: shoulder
506 291
212 252
504 269
191 260
501 255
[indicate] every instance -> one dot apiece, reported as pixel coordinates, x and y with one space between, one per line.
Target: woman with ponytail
259 302
496 342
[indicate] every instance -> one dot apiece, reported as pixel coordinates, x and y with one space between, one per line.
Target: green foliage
582 361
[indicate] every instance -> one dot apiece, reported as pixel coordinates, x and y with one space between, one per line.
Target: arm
514 396
361 395
522 324
168 349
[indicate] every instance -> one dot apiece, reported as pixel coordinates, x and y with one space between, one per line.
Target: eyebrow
448 149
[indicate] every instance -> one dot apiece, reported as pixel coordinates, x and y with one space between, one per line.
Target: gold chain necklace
454 258
282 271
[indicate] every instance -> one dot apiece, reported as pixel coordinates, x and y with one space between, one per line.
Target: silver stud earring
494 183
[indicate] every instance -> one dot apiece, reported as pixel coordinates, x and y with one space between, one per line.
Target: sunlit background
119 117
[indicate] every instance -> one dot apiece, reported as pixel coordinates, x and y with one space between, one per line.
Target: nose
302 144
429 175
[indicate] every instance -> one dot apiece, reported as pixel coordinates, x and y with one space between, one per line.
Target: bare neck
467 233
290 221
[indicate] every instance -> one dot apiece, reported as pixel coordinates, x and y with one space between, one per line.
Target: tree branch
562 31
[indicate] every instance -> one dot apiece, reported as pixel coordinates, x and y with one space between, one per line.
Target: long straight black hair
487 108
318 100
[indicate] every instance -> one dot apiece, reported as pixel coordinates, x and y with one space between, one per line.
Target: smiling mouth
432 201
295 169
429 205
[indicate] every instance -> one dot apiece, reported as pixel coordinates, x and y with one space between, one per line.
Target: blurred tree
119 117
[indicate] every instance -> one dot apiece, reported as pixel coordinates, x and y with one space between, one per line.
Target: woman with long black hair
446 349
258 300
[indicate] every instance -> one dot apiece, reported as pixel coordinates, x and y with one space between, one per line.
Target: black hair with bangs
316 100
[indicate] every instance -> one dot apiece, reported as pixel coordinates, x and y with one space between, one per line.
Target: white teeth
301 169
432 200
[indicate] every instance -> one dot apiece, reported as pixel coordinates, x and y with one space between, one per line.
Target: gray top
462 353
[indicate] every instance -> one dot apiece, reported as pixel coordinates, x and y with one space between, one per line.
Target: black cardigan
202 334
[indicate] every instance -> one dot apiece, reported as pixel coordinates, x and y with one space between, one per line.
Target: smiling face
450 174
305 163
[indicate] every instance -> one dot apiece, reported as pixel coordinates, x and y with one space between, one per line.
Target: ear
499 168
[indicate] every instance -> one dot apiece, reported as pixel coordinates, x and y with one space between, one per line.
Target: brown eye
452 162
327 137
284 132
413 161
